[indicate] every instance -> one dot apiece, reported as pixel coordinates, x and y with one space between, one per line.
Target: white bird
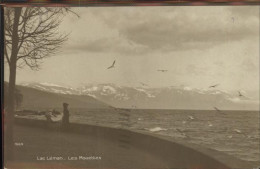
191 117
113 65
230 136
209 124
237 131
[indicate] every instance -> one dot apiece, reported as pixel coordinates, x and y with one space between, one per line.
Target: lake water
233 132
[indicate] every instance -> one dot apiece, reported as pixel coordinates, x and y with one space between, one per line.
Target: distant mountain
38 99
53 88
174 97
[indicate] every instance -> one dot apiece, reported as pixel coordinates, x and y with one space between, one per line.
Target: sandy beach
38 145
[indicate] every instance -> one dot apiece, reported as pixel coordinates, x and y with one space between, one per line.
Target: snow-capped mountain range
174 97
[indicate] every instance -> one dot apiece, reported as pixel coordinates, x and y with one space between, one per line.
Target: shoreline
168 151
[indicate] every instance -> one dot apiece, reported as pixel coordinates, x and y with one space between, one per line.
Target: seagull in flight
162 70
182 133
191 117
230 136
237 131
112 66
240 94
213 86
217 109
240 132
209 124
143 84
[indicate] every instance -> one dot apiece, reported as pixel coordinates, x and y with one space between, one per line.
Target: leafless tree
31 34
18 96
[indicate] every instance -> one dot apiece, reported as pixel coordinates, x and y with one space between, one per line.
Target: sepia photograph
131 87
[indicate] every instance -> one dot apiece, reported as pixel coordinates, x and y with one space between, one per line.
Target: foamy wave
155 129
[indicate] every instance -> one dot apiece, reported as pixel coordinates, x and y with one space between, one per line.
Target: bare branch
38 33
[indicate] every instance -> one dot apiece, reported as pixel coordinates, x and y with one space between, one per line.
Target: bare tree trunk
10 102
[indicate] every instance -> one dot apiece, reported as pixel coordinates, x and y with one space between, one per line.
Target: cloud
244 12
243 101
140 30
220 64
195 70
249 66
198 45
112 45
181 28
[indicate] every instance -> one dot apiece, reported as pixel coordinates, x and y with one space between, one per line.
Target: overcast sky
199 46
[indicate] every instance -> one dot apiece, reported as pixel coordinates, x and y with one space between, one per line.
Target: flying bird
230 136
143 84
237 131
213 86
182 133
209 124
191 117
240 94
217 109
240 132
162 70
113 65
